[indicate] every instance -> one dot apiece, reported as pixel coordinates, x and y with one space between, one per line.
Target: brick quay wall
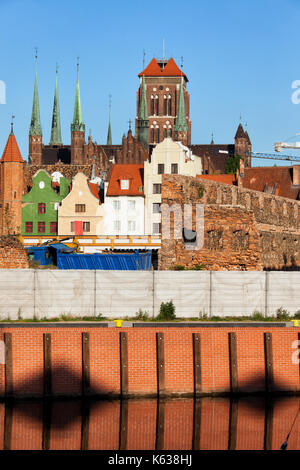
76 360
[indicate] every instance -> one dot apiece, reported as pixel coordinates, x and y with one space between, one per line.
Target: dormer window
124 184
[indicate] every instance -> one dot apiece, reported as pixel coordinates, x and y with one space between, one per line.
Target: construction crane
287 145
273 156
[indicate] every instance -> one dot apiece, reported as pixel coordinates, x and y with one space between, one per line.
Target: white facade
124 215
167 157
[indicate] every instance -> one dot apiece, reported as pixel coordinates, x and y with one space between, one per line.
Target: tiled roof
274 180
94 188
132 172
228 179
240 132
12 152
170 70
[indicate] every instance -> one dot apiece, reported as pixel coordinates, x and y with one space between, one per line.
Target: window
160 168
86 226
131 205
41 227
131 225
15 194
165 105
152 134
170 106
116 205
41 208
152 105
174 168
72 227
53 227
79 207
165 132
28 227
156 105
124 184
157 134
156 188
156 228
117 225
156 208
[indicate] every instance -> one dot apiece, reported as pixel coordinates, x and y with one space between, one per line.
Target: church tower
181 127
77 129
163 82
243 146
11 187
143 119
35 131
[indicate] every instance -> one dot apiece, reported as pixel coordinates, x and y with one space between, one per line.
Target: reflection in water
254 423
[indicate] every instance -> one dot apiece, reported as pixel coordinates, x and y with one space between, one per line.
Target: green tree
232 164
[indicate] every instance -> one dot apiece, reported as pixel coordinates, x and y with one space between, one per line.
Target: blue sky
241 57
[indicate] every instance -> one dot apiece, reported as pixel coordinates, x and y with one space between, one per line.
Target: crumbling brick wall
12 253
243 229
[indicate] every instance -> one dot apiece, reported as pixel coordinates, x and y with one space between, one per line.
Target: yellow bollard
118 323
296 322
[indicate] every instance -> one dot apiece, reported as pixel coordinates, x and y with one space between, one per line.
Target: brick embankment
79 360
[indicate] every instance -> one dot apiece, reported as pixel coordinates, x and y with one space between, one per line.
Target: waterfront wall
149 424
115 294
75 360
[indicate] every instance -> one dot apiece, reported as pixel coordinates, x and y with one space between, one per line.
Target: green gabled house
40 205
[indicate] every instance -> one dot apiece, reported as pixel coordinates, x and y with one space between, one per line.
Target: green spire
55 129
143 108
109 139
77 124
143 119
35 124
181 124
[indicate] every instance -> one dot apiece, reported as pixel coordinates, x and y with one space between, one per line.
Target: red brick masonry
125 361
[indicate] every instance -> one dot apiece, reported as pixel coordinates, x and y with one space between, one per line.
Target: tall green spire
55 129
77 124
35 124
181 124
109 138
143 119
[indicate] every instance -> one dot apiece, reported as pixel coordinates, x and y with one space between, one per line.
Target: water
147 424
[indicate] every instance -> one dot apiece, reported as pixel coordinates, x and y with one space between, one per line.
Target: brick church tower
168 101
11 187
243 146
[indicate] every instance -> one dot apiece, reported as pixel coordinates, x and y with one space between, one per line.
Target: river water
254 423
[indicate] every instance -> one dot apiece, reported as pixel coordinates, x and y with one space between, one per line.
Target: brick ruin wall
12 253
243 229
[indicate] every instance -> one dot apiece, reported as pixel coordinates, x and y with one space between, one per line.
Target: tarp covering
114 261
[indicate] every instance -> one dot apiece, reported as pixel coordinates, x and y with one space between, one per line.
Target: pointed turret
35 124
35 130
143 119
77 124
55 129
109 138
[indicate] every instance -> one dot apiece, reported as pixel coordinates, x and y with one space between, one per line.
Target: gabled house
124 201
40 204
81 212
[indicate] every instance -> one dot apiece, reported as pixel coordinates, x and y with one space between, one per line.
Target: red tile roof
223 178
132 172
275 180
12 152
94 188
170 70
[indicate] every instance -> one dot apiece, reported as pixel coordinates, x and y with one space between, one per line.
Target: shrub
257 316
201 191
297 315
197 267
142 315
203 315
178 267
282 314
167 311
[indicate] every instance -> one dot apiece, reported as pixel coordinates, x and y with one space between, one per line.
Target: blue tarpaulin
110 261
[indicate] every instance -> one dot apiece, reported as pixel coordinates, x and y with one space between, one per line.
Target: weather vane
12 123
78 63
129 124
57 67
36 53
144 55
109 102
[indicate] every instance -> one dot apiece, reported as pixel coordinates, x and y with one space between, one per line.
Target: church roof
12 152
170 70
240 132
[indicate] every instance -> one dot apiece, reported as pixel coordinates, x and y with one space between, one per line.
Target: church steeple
55 129
109 138
181 124
77 124
143 119
35 124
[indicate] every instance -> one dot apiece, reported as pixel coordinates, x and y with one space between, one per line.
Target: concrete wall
116 294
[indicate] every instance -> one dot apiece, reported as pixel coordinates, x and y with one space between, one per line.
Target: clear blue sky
241 56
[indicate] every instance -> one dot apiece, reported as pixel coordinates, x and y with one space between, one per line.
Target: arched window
152 105
169 105
156 105
152 134
165 131
170 132
165 105
157 134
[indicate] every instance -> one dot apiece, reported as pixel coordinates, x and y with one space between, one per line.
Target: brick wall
243 229
105 363
12 253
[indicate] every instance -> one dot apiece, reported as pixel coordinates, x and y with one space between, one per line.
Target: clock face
41 184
